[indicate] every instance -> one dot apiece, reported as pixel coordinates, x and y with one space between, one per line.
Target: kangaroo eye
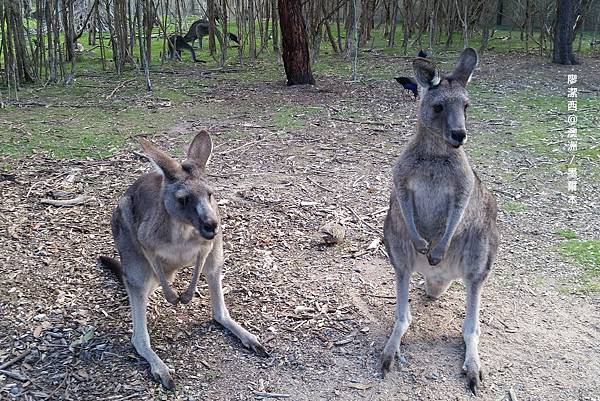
438 108
182 200
466 106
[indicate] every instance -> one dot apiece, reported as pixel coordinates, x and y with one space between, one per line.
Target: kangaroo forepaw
186 297
421 245
436 255
171 296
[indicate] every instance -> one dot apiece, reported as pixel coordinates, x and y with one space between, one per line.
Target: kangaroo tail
113 265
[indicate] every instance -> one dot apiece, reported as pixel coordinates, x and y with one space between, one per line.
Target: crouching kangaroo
166 220
176 43
442 220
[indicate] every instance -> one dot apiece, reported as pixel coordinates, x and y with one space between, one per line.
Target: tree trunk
487 17
212 26
563 32
366 21
251 30
296 58
393 22
275 31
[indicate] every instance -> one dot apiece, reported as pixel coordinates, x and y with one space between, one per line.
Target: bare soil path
288 161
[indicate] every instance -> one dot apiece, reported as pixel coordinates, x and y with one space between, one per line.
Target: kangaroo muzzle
208 225
458 136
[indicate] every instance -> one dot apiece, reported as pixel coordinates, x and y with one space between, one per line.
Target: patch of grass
585 253
293 116
514 207
59 131
211 375
538 121
566 233
66 132
6 167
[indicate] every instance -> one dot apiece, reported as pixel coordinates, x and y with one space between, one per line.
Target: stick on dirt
16 359
80 200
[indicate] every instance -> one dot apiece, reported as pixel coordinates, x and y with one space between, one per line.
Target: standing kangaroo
166 220
442 220
199 29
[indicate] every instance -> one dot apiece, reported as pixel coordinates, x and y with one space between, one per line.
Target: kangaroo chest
183 248
433 185
431 202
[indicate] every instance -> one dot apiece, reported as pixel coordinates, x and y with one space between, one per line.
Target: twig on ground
122 84
14 375
264 394
318 185
16 359
362 221
80 200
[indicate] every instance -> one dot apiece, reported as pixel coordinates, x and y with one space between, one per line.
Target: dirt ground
324 313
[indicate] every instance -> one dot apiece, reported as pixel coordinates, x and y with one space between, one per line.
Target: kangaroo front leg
212 272
403 318
456 211
471 331
407 208
187 296
170 294
138 299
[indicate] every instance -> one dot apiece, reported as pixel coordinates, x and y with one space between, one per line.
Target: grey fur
442 220
166 220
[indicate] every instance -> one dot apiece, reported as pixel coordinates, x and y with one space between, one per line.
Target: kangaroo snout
459 136
208 229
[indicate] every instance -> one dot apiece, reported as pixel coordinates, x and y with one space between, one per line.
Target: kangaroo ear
200 150
162 162
426 72
465 66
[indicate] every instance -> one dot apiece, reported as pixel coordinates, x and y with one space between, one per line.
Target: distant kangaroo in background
176 43
199 29
442 220
166 220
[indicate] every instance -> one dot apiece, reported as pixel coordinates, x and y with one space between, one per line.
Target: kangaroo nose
209 228
458 135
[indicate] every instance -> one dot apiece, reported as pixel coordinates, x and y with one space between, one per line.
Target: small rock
333 233
40 317
432 376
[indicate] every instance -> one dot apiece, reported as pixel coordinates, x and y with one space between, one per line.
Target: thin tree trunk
225 32
275 31
251 30
141 45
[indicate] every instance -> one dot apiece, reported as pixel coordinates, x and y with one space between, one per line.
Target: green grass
78 121
566 233
290 117
539 120
585 253
514 207
537 116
